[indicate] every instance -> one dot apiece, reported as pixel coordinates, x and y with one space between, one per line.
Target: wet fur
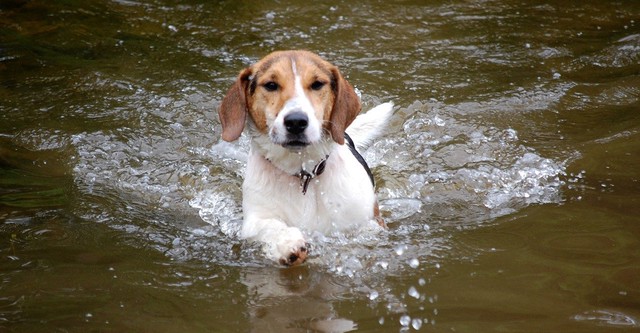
341 198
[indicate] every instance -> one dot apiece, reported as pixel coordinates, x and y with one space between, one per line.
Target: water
508 176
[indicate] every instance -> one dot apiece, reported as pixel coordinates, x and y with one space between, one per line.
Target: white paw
291 247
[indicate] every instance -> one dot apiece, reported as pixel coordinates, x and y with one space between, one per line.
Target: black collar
306 176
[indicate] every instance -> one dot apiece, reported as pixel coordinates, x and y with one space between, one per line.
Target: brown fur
346 107
336 103
233 109
377 216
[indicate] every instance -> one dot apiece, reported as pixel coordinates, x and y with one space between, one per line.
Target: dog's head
294 97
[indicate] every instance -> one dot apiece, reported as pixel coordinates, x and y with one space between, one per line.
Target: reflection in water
288 300
432 167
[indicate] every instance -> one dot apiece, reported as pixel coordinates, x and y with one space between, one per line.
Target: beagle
303 170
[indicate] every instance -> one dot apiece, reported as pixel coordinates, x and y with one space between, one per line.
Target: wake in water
177 187
434 170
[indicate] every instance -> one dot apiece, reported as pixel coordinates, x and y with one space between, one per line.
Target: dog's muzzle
296 123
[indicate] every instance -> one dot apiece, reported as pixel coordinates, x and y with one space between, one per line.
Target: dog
303 171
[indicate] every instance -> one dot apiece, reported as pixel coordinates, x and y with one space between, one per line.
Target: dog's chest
338 198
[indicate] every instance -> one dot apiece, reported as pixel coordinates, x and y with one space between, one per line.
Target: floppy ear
346 106
233 109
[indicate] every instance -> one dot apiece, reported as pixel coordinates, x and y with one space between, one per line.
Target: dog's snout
296 122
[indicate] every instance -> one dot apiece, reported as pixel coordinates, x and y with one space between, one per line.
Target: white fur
369 126
298 103
341 198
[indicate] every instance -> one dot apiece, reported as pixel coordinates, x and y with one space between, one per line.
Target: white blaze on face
299 102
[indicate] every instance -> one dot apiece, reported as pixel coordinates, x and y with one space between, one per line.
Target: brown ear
346 107
233 109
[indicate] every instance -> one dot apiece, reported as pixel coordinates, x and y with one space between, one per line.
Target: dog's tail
370 125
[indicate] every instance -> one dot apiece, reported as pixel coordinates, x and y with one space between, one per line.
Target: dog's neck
293 162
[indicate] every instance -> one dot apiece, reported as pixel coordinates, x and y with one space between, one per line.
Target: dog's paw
296 257
286 246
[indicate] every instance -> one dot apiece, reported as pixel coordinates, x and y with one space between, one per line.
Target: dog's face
294 97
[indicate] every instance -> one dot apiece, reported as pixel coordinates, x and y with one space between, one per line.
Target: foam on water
434 168
171 180
458 171
610 318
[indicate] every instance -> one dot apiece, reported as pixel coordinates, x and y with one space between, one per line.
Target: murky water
509 175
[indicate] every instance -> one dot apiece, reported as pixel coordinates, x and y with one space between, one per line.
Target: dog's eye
317 85
270 86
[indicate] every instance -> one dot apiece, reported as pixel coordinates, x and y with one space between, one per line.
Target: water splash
179 187
464 171
607 318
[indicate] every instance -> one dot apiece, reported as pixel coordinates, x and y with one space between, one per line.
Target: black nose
296 122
